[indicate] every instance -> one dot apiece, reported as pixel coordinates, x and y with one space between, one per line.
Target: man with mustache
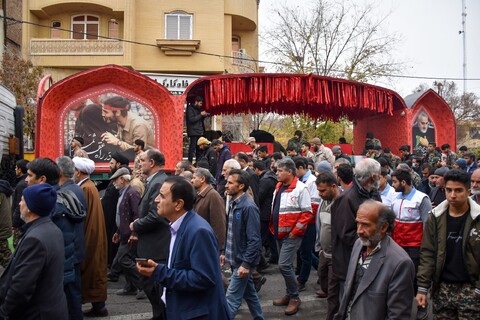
379 283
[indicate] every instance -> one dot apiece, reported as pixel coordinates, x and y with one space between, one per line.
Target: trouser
453 301
414 254
5 253
268 241
126 262
73 295
154 291
287 249
193 149
306 249
329 284
243 288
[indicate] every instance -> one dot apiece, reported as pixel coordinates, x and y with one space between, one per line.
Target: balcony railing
244 61
104 47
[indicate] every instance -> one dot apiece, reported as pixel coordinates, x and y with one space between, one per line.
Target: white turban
85 165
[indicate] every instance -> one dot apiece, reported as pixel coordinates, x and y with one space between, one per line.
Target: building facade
204 37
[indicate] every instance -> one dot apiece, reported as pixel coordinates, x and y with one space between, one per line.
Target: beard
376 184
316 148
476 191
372 241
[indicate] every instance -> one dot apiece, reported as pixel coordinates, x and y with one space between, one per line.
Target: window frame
178 15
85 22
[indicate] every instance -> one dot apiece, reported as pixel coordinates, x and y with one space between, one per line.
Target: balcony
244 62
48 47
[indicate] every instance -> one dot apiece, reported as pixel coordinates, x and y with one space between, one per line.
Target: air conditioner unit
243 51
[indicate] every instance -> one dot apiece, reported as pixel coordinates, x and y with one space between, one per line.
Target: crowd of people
386 235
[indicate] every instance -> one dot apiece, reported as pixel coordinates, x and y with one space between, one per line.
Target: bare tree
339 39
465 106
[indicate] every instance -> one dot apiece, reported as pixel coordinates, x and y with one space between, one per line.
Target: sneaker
123 292
141 295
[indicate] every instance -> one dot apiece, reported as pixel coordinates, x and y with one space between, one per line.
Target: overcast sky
431 44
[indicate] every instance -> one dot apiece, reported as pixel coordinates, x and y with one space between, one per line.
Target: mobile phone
142 261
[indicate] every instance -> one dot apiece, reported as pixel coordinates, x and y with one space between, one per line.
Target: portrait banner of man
423 132
109 123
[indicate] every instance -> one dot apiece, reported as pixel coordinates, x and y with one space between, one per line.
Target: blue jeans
243 288
74 296
287 252
306 251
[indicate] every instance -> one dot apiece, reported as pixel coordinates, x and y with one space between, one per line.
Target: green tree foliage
22 78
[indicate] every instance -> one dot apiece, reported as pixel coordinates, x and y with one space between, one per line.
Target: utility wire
224 56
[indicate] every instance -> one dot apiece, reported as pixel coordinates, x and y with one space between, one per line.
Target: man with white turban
94 266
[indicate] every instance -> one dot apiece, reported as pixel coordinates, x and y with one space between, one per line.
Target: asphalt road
128 308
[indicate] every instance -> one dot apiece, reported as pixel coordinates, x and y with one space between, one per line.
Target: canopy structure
316 96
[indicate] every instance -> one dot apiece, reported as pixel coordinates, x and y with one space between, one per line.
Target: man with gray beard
379 282
364 186
475 187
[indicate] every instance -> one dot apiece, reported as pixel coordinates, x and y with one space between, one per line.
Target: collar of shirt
364 254
122 191
80 183
409 195
306 175
151 177
385 191
174 226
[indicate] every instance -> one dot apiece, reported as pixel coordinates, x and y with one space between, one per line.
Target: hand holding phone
143 262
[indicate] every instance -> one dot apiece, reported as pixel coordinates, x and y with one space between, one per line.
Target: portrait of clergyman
107 124
423 132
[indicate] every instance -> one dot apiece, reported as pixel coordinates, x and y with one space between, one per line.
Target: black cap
79 139
120 158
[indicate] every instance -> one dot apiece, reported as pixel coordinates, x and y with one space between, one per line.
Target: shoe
321 294
96 313
123 292
293 306
260 283
301 286
422 313
141 295
112 278
283 301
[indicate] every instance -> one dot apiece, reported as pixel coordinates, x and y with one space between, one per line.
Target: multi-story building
202 37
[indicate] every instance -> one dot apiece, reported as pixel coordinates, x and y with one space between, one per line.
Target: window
113 28
178 26
85 27
55 31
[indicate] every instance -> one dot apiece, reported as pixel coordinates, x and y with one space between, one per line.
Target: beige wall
214 22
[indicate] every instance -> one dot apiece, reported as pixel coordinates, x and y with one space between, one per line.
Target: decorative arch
60 98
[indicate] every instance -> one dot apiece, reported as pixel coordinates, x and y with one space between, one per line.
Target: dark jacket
223 155
253 181
266 188
79 235
67 214
109 205
246 242
344 225
32 285
193 284
210 155
194 121
128 212
17 196
153 231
